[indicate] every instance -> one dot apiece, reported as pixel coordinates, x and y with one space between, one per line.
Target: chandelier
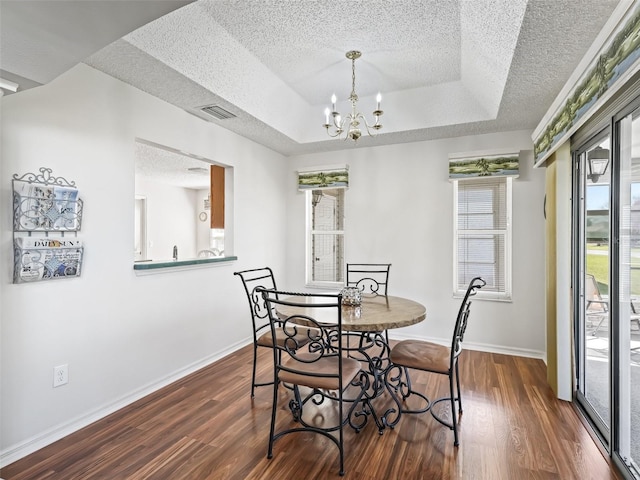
352 121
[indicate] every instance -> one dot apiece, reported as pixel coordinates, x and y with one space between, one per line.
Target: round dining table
376 313
365 325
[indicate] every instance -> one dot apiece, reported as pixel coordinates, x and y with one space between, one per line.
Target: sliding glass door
607 282
593 267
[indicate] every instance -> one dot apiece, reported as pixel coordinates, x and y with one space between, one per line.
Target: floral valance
615 62
472 165
319 178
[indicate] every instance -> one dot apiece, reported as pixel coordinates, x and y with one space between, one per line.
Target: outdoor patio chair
635 315
596 306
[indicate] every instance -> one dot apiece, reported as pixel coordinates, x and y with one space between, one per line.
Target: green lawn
598 266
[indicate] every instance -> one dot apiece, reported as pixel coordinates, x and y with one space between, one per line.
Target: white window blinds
483 235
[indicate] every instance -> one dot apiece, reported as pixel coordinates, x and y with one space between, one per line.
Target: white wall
399 209
121 334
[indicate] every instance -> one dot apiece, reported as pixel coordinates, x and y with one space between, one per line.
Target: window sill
188 264
325 285
487 296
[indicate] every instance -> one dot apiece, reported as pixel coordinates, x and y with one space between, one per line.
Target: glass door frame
615 309
579 240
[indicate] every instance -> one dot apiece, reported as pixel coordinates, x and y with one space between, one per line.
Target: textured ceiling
314 37
158 163
445 68
41 39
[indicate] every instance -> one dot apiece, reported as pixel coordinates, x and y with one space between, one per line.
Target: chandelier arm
335 129
367 127
336 133
375 126
363 120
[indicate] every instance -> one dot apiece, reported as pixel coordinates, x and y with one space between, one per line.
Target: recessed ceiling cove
444 67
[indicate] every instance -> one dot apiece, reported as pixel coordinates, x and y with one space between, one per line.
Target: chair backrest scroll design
321 339
463 317
253 281
372 278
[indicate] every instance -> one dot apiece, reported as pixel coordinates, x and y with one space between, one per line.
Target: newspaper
47 258
46 207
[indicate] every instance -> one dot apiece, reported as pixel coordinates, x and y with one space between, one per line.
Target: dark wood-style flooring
206 426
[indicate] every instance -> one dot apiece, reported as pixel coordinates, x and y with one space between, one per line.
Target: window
482 235
325 237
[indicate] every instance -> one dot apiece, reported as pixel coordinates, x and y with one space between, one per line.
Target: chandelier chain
353 80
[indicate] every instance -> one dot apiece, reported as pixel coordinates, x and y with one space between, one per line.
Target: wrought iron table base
373 350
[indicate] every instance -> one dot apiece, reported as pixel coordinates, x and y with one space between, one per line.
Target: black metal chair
434 358
252 280
316 370
371 278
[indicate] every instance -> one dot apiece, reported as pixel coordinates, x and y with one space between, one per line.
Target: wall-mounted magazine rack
45 209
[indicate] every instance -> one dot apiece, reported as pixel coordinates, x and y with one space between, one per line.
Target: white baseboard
481 347
35 443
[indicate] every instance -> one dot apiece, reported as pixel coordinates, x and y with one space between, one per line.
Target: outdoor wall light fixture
598 161
316 196
351 122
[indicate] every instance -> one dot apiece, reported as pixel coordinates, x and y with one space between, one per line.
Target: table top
377 313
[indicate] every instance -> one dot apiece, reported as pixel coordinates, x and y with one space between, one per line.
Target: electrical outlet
60 375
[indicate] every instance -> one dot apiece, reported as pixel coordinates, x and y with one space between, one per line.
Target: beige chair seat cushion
302 337
323 366
422 356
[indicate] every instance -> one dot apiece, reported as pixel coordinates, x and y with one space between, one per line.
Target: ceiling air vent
218 112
